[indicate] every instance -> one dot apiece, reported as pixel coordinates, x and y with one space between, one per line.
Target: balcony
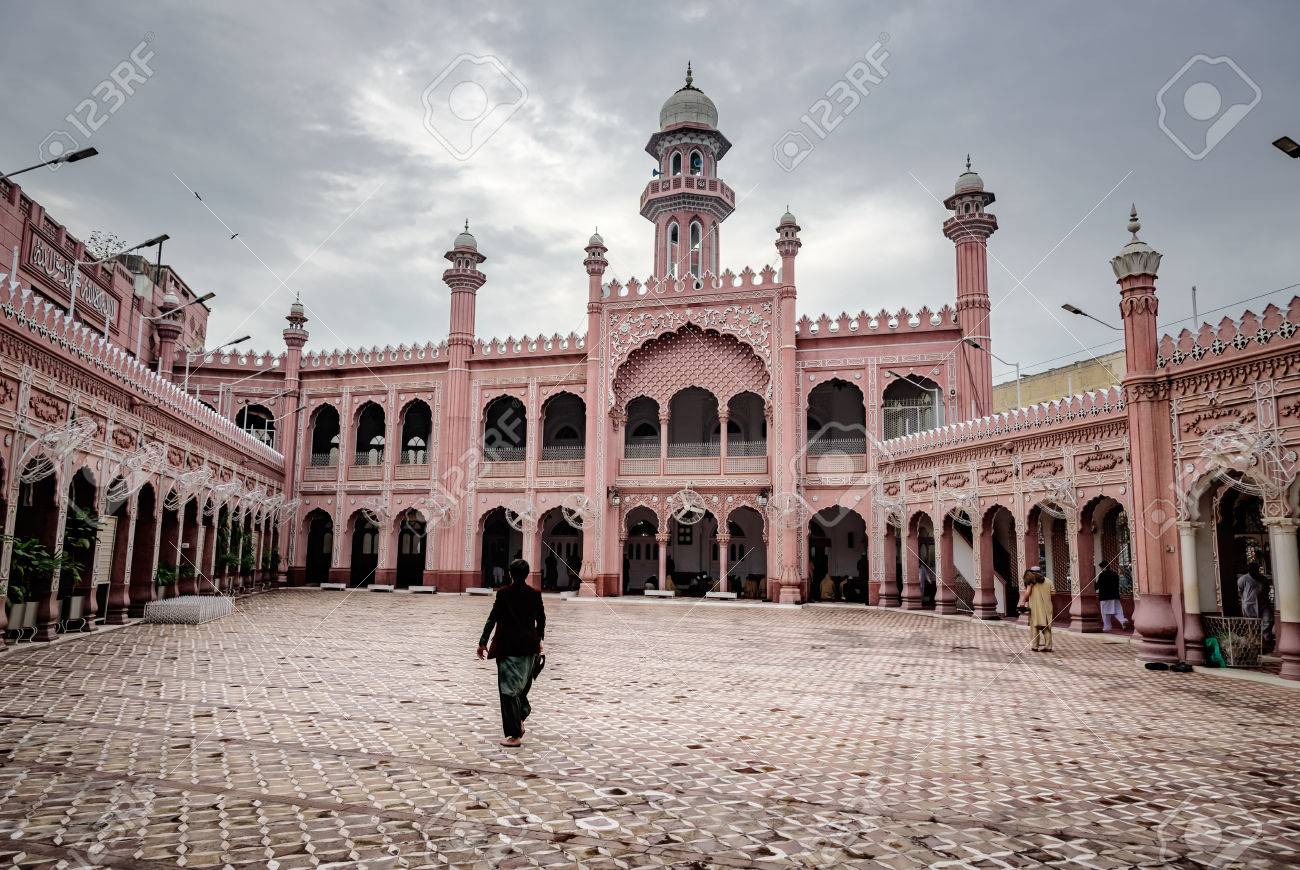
503 462
323 466
562 460
641 457
368 466
836 456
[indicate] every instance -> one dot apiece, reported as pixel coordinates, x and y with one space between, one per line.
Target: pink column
724 543
945 600
1146 395
969 229
911 568
662 540
724 415
785 482
889 576
464 279
596 479
1085 610
1284 549
986 599
664 419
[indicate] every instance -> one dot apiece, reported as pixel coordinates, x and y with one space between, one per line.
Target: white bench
661 593
479 590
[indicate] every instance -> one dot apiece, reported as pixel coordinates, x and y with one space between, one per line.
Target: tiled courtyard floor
316 729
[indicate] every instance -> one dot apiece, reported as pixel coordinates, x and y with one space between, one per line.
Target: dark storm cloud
289 118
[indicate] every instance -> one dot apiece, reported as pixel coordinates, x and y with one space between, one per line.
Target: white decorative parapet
50 322
1070 409
188 609
415 354
881 322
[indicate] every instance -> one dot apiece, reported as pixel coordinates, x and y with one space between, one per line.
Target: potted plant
186 573
32 568
166 579
80 532
17 608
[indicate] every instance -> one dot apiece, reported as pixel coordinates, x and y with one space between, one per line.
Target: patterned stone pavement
317 729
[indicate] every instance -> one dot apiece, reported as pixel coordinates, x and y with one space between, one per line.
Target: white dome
465 240
688 106
969 181
595 240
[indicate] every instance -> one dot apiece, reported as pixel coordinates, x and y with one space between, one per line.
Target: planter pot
29 618
76 612
17 613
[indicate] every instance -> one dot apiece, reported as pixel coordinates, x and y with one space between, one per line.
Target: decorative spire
466 224
1133 223
1136 257
968 163
690 78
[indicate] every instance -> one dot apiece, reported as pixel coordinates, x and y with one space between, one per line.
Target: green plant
31 564
273 560
166 575
186 571
17 594
246 563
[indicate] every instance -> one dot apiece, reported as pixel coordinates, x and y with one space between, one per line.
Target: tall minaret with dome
969 229
686 201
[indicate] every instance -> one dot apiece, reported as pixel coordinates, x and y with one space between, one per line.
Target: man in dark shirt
520 622
1108 596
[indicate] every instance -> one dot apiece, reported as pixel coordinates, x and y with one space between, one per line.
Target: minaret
464 279
169 329
295 336
785 399
687 202
595 525
1146 397
969 229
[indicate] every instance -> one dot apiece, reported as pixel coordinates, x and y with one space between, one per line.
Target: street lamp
975 344
1288 146
189 354
70 157
1079 311
76 271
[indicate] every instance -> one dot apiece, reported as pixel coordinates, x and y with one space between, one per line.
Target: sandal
511 742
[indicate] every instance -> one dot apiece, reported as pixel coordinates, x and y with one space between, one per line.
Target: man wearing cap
1036 600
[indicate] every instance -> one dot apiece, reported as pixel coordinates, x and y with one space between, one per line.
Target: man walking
1108 596
520 622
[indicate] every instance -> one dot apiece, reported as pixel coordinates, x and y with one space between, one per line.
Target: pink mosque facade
703 437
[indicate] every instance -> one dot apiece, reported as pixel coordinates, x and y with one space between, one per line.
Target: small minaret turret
969 229
686 201
1146 400
295 336
785 403
169 328
464 279
594 528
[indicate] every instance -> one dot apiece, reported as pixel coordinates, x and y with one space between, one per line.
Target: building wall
1097 373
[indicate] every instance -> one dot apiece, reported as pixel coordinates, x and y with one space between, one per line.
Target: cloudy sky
303 128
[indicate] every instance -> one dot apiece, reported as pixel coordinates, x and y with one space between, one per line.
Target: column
662 540
198 555
595 571
119 589
532 549
786 405
1085 611
985 605
911 567
889 576
1286 577
664 419
47 614
724 544
1189 534
946 572
724 416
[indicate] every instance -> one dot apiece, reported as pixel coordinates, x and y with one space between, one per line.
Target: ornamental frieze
1096 463
956 480
1204 421
45 408
996 476
1044 468
751 323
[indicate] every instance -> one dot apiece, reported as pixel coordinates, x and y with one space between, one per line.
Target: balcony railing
563 452
370 457
325 459
641 448
503 454
693 449
838 444
746 448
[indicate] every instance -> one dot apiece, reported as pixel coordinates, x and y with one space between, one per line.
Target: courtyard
318 729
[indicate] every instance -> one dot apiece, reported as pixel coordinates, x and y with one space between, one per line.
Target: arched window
697 163
911 405
674 248
564 422
325 436
370 435
417 423
258 421
677 163
696 240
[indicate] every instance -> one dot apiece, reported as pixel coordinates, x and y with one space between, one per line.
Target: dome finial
1133 223
690 77
968 163
466 224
